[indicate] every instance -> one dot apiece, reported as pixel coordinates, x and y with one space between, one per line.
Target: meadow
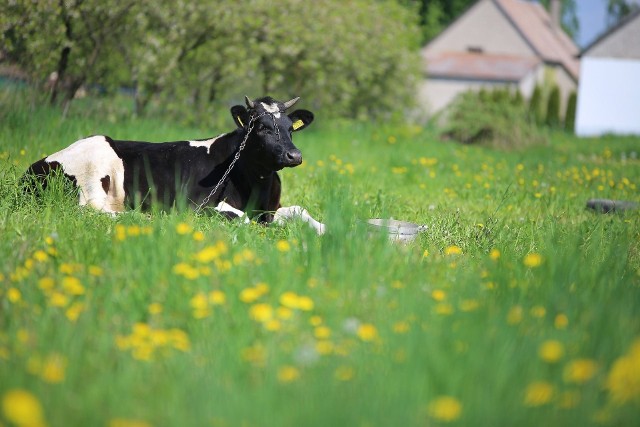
517 306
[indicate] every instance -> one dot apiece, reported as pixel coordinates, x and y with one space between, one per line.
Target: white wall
608 97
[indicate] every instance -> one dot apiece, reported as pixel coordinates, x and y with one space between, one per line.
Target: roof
481 66
534 23
623 22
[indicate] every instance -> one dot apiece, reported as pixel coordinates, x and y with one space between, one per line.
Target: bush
553 108
535 106
498 120
570 116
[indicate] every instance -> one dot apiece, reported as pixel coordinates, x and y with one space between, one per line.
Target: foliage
185 55
570 115
179 319
618 9
569 17
552 119
536 105
436 15
496 118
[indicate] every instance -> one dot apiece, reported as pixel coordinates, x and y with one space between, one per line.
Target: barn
609 92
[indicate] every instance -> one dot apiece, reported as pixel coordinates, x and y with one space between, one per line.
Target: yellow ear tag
240 121
297 124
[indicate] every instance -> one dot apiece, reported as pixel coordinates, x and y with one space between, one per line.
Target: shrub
496 120
535 106
552 118
570 116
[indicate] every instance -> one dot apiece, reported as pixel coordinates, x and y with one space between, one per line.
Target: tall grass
516 307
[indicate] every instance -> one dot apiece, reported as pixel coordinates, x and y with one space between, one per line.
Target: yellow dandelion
14 295
623 380
322 332
444 309
133 230
121 232
283 246
123 422
199 301
69 269
272 325
40 256
22 408
438 295
58 299
53 369
551 351
538 311
579 371
154 308
217 297
289 300
288 373
569 399
315 320
367 332
284 313
401 327
445 408
538 393
74 311
198 236
453 250
208 254
324 347
305 303
96 271
261 312
183 228
344 373
561 321
469 305
515 315
255 354
72 285
494 254
249 295
532 260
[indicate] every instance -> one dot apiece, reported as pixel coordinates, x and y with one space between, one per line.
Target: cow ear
301 119
240 115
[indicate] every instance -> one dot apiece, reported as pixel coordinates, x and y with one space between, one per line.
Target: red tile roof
534 23
480 66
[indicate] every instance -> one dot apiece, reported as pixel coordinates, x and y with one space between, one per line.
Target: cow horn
249 102
289 104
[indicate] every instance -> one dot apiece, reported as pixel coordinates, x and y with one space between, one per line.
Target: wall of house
609 97
482 26
623 43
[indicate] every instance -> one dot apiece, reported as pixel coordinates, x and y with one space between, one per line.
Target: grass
517 306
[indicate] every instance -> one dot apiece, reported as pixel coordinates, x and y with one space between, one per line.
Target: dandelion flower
551 351
288 373
344 373
322 332
261 312
532 260
183 228
438 295
453 250
561 321
53 369
283 246
249 295
367 332
217 297
538 393
445 408
579 371
494 254
22 408
623 381
14 295
515 315
72 285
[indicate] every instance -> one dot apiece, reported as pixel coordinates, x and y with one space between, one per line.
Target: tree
570 116
618 9
436 15
568 16
536 106
552 118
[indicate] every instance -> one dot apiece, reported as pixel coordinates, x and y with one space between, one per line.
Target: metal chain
237 156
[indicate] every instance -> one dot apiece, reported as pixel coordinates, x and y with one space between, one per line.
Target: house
609 93
498 43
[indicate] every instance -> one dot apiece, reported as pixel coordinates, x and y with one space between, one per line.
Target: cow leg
230 212
286 213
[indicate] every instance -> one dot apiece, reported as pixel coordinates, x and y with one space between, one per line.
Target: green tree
570 115
618 9
568 16
536 112
552 118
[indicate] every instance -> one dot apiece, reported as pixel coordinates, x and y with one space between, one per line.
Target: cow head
270 141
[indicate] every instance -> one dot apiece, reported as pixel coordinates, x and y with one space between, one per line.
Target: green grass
405 324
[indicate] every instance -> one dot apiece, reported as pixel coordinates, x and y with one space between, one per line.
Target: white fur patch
292 212
206 143
273 109
89 161
225 207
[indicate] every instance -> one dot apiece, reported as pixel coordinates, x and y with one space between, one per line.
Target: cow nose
293 157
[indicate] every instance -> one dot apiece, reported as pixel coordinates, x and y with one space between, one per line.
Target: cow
236 173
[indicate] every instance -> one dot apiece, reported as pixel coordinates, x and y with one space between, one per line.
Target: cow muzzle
292 158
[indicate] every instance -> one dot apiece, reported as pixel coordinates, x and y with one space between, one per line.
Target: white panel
608 97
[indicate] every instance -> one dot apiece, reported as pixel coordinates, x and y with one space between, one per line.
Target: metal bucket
399 231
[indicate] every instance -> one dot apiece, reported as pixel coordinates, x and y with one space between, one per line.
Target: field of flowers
517 307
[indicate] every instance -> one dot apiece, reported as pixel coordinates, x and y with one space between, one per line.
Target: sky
592 15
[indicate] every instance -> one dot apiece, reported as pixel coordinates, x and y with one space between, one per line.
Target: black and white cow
112 175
